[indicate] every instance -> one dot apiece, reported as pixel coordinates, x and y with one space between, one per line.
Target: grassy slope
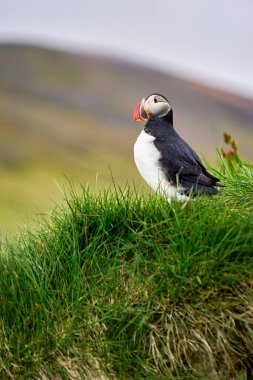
127 285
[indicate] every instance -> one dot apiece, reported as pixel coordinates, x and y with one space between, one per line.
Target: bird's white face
155 105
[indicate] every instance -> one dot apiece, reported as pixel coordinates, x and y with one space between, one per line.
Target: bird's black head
155 105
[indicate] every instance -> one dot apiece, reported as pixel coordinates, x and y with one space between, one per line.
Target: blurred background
72 72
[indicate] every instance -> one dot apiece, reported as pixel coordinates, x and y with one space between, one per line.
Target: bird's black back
180 164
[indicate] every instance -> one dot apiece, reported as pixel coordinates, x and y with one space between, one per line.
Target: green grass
123 285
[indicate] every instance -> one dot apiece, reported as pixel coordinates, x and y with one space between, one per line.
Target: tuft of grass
123 285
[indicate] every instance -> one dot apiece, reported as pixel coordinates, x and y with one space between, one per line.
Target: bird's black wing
183 167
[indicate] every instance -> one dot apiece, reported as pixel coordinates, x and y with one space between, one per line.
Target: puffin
165 161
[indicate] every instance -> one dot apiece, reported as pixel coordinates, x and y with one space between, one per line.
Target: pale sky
209 40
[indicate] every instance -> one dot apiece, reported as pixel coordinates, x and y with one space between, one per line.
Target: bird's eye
155 100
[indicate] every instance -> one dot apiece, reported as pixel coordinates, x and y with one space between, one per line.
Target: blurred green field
68 117
38 164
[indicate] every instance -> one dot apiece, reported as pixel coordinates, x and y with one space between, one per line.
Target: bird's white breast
147 157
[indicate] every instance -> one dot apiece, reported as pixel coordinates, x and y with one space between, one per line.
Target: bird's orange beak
139 113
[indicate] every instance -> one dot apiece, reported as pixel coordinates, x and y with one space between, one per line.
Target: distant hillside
71 114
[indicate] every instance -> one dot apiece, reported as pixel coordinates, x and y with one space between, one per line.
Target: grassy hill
123 285
70 115
118 284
